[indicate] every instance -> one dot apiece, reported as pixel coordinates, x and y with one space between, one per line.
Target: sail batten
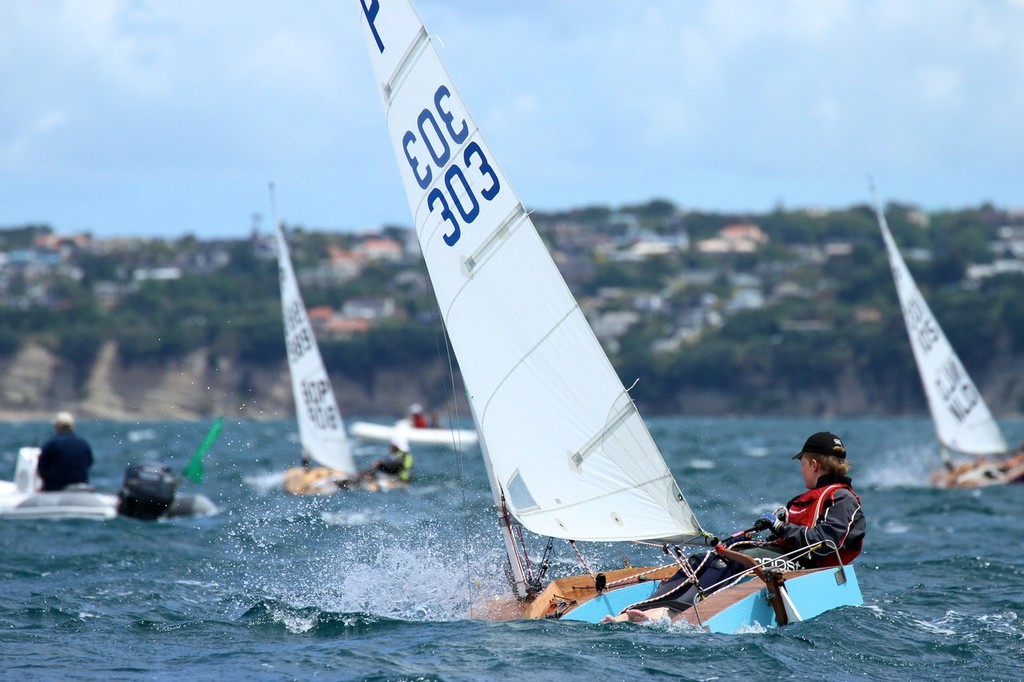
539 384
627 411
404 67
503 231
963 422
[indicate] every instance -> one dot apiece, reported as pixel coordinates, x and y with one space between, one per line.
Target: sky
165 118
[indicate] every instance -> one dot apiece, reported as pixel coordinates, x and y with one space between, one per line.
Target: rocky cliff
34 384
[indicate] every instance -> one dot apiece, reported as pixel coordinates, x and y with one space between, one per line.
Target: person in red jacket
828 515
416 416
827 518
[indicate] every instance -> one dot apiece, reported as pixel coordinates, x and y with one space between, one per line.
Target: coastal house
160 274
340 327
329 323
379 249
1003 266
737 238
370 308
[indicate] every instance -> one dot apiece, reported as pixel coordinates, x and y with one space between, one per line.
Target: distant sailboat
963 422
321 428
568 455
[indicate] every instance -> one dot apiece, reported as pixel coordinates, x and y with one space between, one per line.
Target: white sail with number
321 429
567 451
962 420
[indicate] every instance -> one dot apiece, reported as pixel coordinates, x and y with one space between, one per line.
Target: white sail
962 420
566 447
321 430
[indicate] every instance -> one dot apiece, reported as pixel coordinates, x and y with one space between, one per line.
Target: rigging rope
454 416
580 555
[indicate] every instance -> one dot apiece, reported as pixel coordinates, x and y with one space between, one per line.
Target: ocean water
364 586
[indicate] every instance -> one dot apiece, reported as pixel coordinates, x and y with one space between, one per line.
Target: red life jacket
808 509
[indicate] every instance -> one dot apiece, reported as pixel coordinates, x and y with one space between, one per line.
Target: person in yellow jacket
399 464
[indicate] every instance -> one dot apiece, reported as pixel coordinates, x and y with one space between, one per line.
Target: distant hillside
788 312
35 383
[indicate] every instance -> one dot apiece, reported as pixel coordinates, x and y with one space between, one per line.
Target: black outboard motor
147 492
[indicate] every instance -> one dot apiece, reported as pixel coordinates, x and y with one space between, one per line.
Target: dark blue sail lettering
456 173
473 149
370 12
963 402
948 379
422 180
435 196
440 159
448 117
927 335
441 131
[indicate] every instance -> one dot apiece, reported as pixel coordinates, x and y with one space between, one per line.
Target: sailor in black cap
828 515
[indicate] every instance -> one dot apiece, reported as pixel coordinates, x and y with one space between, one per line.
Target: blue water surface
389 586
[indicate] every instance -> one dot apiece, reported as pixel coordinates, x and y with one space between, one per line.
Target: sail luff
962 419
558 428
321 428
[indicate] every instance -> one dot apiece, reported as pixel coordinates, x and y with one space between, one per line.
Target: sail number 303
429 149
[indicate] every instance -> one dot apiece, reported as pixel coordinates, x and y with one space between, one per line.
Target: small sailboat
321 428
567 454
963 422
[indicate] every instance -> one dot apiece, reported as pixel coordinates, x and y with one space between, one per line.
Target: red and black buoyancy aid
809 508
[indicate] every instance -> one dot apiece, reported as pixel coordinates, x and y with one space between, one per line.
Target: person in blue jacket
66 458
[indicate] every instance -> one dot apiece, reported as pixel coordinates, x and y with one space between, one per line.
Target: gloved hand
768 521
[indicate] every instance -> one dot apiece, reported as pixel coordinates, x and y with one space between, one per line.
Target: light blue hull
611 602
811 595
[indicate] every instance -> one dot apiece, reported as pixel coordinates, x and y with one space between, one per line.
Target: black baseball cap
823 443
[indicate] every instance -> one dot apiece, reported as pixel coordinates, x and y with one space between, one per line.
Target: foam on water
365 586
902 467
895 528
141 435
346 518
265 483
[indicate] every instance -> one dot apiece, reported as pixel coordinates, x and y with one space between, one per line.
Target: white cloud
724 104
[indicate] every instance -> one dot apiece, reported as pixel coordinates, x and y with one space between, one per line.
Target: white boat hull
384 432
78 504
21 498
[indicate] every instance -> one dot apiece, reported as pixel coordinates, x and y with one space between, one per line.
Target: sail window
520 495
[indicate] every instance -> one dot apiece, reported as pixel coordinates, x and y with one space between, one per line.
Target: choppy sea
381 586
